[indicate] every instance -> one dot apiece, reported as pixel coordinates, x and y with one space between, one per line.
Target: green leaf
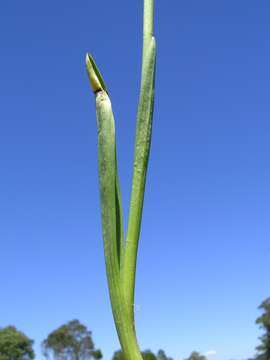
112 225
142 149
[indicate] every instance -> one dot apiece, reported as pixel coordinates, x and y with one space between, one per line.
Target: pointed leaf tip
94 75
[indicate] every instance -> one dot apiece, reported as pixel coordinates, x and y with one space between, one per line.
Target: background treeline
73 341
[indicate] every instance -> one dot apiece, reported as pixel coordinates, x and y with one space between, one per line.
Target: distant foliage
146 354
72 341
161 355
118 355
97 354
196 356
15 345
264 322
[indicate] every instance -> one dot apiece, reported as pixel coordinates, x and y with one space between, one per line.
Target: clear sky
203 265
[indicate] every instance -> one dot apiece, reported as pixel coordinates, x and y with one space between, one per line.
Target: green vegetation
15 345
264 322
196 356
72 341
120 251
146 355
161 355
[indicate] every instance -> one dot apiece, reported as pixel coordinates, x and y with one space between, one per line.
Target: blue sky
203 265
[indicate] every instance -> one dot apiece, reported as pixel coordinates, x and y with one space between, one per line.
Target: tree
118 355
15 345
264 322
196 356
97 354
71 341
146 355
161 355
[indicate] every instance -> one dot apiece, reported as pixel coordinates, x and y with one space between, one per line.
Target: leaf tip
94 77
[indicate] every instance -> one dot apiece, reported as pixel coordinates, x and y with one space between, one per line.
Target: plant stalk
121 254
141 155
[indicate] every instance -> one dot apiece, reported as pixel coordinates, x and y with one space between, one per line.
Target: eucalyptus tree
71 341
15 345
196 356
264 322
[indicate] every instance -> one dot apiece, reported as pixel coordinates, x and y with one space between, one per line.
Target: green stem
142 148
148 21
120 255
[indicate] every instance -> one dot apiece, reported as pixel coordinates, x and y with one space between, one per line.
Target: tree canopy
264 322
196 356
71 341
118 355
161 355
15 345
147 355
